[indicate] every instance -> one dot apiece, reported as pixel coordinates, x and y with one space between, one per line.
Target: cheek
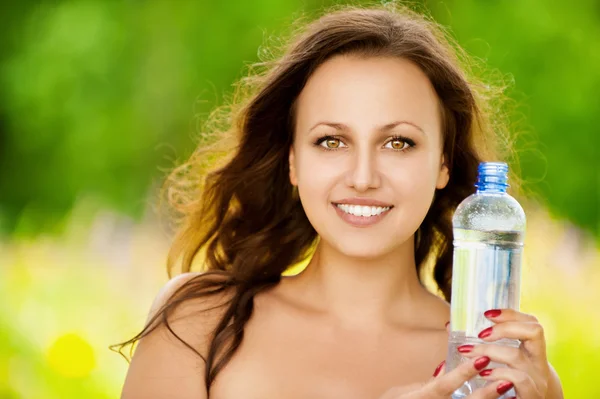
416 178
315 180
414 187
316 173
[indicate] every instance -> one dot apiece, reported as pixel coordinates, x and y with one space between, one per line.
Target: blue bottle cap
492 176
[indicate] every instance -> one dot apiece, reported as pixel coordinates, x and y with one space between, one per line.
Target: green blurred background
99 98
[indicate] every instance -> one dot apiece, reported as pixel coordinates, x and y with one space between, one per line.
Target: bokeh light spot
71 356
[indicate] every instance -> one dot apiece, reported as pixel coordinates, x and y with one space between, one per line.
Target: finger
513 357
503 315
492 391
440 369
448 327
443 386
531 335
524 384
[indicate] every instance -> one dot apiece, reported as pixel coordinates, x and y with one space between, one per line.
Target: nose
363 174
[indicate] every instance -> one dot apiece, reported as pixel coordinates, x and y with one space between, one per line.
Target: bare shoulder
170 359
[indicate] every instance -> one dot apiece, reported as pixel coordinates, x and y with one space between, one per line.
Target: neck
356 291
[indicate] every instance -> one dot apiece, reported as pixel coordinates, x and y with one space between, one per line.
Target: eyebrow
389 126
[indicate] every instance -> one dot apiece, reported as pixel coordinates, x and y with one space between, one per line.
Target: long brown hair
240 216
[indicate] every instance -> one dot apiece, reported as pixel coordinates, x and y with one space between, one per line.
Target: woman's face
367 152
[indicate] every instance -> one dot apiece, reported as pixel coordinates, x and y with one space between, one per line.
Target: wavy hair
241 218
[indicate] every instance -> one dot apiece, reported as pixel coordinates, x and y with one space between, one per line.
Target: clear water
486 275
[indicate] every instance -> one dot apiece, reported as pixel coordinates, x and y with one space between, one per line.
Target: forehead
363 92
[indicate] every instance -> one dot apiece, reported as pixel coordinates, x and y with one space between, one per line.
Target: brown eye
398 144
333 143
330 143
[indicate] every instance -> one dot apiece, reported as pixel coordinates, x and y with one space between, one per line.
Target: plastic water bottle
489 228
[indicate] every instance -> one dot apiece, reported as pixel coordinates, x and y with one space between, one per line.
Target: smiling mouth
361 216
362 210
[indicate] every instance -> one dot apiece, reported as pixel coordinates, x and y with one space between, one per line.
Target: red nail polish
481 363
504 387
485 373
492 313
438 368
465 348
485 333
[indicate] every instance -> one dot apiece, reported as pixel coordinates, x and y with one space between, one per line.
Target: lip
362 201
360 221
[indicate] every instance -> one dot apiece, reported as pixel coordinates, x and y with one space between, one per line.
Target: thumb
440 369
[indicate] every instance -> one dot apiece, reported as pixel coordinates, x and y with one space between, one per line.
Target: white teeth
364 211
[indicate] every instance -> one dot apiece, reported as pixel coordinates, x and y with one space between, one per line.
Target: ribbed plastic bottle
489 229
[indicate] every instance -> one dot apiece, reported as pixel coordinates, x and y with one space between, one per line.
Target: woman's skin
356 323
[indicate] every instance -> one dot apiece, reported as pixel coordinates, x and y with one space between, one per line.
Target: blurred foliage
552 51
100 97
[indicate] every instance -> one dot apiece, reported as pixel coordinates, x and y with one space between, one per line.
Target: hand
528 368
441 386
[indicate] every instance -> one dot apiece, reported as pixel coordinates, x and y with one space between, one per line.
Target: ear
443 175
292 160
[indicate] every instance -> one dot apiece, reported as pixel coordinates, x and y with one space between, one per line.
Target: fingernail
504 387
438 369
481 362
447 323
492 313
485 373
465 348
485 333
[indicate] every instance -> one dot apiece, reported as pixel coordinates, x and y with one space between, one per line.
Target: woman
353 150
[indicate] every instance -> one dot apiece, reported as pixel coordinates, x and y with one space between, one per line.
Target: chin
364 249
